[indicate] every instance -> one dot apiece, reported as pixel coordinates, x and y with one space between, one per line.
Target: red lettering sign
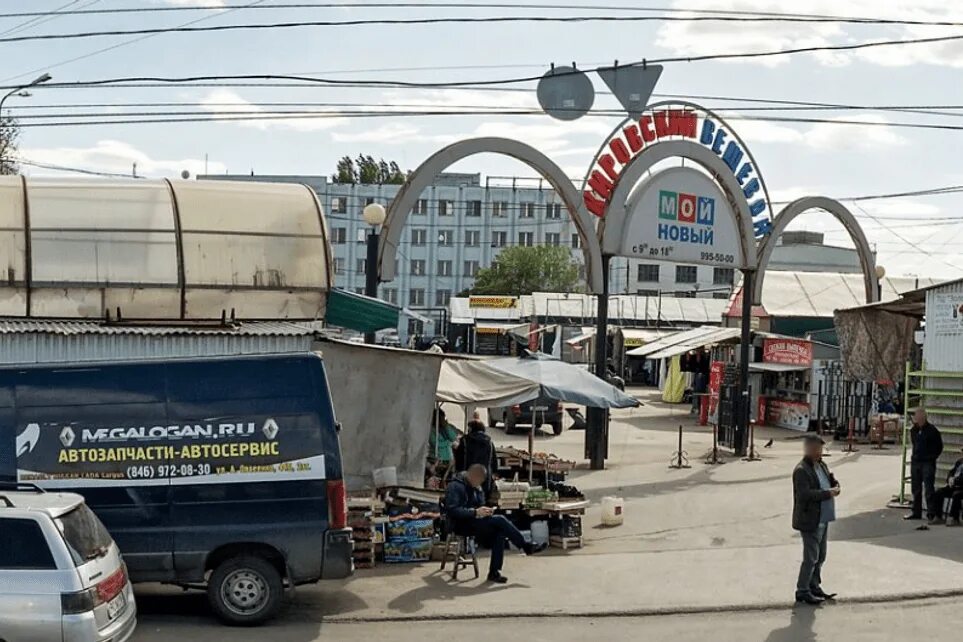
687 208
793 352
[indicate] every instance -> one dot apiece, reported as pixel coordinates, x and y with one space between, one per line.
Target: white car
61 574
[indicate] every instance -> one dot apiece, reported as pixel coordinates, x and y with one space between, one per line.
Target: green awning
359 312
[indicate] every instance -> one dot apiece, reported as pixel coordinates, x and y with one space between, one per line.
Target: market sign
498 302
945 315
687 122
681 215
792 352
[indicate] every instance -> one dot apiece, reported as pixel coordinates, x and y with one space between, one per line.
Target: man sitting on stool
468 516
953 491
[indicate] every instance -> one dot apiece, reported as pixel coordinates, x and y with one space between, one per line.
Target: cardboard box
410 529
410 550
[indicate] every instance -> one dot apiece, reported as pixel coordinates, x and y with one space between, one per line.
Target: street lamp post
880 273
374 215
20 91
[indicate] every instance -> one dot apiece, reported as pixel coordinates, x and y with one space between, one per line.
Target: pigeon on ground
768 444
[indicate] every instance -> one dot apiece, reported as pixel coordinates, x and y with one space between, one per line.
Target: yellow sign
634 343
500 302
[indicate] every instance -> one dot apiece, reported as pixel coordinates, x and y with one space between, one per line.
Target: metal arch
617 215
866 259
424 176
696 106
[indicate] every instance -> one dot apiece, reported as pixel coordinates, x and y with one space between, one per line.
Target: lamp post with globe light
374 215
880 273
21 91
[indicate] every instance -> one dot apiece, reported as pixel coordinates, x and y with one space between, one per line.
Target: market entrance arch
424 176
789 213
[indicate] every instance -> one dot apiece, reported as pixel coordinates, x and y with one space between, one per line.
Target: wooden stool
460 550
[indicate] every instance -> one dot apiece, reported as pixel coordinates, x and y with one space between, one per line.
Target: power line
73 170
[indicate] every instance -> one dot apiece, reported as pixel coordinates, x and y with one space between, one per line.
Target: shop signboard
787 414
497 302
687 122
792 352
717 370
945 315
681 215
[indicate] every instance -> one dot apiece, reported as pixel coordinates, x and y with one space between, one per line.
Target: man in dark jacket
952 491
476 447
468 515
927 446
814 490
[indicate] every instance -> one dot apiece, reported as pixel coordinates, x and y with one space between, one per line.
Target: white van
61 574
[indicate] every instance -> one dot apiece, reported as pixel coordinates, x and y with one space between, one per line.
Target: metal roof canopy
776 367
686 340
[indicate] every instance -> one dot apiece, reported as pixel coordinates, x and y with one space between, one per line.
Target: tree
523 270
345 172
365 170
9 133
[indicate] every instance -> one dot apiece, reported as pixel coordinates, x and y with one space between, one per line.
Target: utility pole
596 431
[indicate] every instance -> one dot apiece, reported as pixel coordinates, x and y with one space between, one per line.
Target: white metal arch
425 175
801 205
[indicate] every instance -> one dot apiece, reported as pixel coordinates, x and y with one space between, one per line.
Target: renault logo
67 437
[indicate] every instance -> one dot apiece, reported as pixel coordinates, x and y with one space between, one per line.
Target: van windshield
85 535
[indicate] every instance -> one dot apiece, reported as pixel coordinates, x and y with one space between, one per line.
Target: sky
919 235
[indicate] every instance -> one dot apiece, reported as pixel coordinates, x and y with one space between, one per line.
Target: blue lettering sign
732 156
706 212
718 140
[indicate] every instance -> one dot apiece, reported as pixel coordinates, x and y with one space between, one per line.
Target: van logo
67 437
27 440
270 429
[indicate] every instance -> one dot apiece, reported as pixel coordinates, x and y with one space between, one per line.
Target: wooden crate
565 543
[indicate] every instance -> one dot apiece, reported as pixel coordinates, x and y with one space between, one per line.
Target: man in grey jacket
814 493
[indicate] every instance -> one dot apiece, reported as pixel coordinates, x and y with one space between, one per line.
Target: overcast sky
924 233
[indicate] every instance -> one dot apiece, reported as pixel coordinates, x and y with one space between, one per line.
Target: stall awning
636 337
684 341
585 335
359 312
473 383
775 367
487 327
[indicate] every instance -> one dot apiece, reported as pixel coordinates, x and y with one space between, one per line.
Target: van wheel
557 427
245 591
509 424
492 422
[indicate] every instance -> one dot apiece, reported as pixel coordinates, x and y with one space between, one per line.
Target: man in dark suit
814 493
927 448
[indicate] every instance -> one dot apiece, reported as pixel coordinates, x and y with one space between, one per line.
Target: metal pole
742 412
596 417
371 273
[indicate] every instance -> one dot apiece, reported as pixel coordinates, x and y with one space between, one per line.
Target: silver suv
61 574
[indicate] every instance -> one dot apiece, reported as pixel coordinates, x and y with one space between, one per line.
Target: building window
442 297
723 276
553 211
472 238
499 239
553 238
720 295
416 297
471 268
474 208
526 238
446 208
338 265
446 237
339 205
361 235
647 292
390 295
648 273
339 235
500 209
421 206
419 236
576 242
359 291
527 210
444 268
686 274
690 294
417 267
361 266
369 200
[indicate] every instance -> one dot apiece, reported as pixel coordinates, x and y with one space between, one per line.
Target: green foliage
523 270
365 170
9 132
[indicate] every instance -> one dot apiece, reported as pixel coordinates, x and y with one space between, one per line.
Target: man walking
814 493
467 515
953 491
927 445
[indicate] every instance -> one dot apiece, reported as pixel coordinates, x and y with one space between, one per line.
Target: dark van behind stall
216 473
